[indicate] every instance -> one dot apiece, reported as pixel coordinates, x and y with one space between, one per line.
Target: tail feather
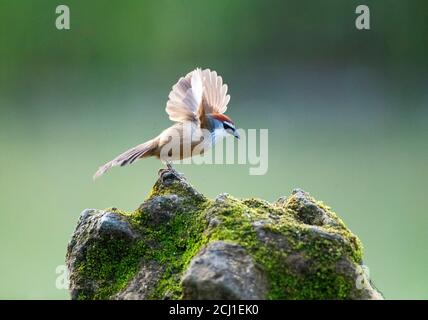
128 157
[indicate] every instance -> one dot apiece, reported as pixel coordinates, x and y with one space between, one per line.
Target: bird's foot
169 172
171 168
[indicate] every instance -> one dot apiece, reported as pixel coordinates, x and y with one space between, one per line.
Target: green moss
323 282
175 187
354 246
119 211
112 263
175 242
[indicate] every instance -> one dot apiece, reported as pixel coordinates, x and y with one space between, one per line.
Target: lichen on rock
178 244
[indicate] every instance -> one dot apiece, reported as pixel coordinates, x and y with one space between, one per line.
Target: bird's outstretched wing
198 93
185 98
215 97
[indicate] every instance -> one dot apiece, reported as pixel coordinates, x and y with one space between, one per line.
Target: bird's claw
169 172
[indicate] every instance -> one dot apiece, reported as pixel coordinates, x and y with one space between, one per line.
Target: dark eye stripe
227 125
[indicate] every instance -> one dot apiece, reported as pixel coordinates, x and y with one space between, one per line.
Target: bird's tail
130 156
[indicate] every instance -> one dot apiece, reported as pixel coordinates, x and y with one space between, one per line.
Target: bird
196 103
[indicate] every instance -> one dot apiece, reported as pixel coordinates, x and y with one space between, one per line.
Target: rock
140 286
305 209
98 237
179 244
161 208
223 271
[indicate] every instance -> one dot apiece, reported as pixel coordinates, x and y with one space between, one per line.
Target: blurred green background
346 112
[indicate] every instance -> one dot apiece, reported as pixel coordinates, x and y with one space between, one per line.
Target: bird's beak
236 134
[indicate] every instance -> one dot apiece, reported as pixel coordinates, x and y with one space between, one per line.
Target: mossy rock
179 244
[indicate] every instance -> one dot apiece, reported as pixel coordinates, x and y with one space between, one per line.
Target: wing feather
185 98
215 97
197 89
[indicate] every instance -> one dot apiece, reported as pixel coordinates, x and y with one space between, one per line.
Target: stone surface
223 271
179 244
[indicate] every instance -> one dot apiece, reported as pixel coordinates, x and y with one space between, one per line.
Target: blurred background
346 110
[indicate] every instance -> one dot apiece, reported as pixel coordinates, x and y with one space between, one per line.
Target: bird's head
223 124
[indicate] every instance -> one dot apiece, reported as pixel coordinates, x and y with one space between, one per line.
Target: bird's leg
169 166
169 170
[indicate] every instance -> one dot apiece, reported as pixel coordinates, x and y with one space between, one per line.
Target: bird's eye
227 126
